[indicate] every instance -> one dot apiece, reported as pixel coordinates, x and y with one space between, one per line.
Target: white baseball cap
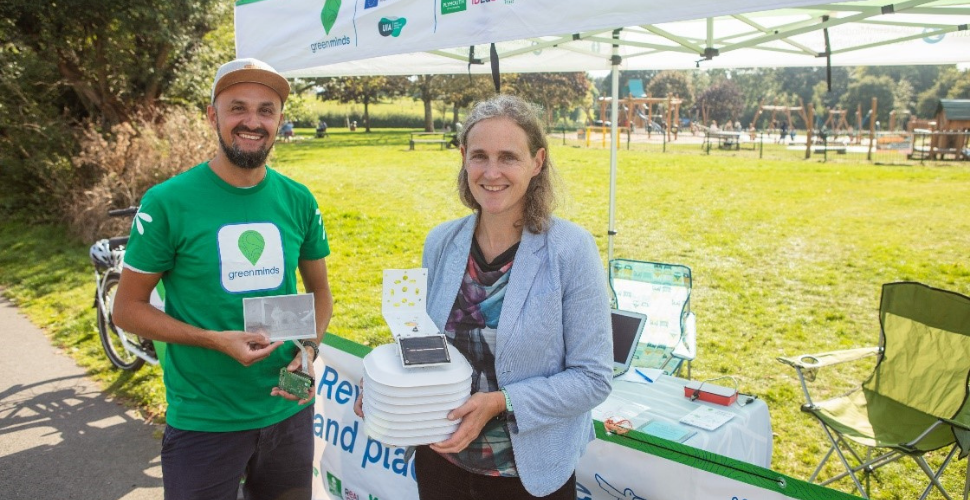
249 70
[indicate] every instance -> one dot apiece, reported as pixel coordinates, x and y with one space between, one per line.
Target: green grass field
788 256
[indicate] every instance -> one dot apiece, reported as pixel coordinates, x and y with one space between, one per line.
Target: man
228 229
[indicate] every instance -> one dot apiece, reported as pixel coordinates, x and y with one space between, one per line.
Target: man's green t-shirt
215 245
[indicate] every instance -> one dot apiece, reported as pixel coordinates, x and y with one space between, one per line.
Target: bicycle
125 350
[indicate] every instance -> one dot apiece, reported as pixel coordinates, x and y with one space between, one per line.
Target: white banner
297 34
305 38
350 466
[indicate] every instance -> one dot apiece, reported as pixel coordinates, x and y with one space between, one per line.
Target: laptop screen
627 328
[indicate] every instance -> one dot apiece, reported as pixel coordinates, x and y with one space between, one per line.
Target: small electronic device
627 328
298 383
711 393
425 350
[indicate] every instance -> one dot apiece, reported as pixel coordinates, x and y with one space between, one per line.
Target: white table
746 437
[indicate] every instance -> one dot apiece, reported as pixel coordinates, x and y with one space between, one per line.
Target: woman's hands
359 404
474 414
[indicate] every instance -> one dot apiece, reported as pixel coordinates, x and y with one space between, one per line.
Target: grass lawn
788 256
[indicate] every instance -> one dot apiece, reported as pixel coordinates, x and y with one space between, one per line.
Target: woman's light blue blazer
554 345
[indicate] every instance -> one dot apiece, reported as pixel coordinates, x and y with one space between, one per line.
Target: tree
960 88
427 88
554 91
363 89
861 92
108 64
903 96
824 98
800 82
723 102
920 77
673 83
298 111
461 91
104 61
952 84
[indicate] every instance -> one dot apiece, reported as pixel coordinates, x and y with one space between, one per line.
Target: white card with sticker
403 304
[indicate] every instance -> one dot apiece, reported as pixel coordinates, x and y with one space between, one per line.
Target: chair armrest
959 425
808 365
687 347
810 361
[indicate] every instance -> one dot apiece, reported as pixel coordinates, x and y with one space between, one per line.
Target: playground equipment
639 112
948 134
836 123
787 110
894 120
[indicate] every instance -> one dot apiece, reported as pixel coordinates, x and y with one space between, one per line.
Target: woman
522 295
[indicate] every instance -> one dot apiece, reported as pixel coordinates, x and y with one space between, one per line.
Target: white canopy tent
541 35
304 38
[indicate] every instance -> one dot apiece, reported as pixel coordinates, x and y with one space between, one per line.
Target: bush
125 162
339 120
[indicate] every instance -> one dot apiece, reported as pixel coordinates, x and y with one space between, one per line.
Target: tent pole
614 112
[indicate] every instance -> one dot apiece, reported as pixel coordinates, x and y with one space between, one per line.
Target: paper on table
669 431
707 418
649 375
617 410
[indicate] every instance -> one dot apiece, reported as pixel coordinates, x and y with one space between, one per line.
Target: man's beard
249 160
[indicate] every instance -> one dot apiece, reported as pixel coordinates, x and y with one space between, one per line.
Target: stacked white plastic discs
409 406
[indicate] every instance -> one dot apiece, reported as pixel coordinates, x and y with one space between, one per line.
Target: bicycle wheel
110 334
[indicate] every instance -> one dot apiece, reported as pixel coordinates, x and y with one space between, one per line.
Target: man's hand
246 347
295 365
474 414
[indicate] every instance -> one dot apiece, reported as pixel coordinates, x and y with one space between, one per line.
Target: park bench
444 139
725 140
930 153
837 149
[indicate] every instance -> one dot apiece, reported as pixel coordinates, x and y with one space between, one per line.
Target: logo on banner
334 484
391 26
328 16
370 4
614 492
933 39
452 6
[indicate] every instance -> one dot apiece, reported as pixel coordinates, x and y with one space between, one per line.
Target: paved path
60 437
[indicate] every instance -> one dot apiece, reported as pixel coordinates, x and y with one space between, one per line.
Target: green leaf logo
329 14
251 244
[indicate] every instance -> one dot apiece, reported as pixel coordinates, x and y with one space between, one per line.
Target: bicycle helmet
101 255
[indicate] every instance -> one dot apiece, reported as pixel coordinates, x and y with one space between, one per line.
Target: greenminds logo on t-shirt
251 257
